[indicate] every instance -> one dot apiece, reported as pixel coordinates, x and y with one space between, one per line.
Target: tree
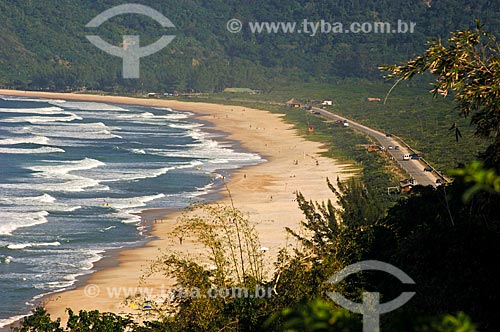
232 261
84 321
468 66
357 213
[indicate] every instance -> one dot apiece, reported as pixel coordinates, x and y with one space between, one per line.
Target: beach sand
265 192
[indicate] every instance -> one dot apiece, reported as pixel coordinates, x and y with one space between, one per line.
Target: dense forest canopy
43 44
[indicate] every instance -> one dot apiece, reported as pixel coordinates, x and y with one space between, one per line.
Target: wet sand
265 193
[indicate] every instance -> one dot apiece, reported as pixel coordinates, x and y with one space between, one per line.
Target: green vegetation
37 53
343 144
376 170
44 44
479 177
448 245
467 65
409 113
338 237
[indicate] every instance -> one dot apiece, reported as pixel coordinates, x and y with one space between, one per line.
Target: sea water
75 175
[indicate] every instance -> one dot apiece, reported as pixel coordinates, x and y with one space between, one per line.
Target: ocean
74 177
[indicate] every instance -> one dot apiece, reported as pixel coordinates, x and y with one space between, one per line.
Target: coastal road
414 168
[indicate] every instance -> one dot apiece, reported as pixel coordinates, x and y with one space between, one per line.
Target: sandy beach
264 192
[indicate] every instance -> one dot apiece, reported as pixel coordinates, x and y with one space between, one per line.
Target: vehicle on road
406 157
396 147
388 135
390 147
346 124
428 169
373 148
438 181
316 112
414 156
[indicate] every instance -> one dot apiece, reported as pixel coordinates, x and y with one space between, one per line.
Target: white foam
43 119
39 140
59 285
44 110
62 171
7 321
151 116
87 106
19 246
185 125
72 208
51 171
176 116
131 174
60 178
14 98
203 190
5 259
180 113
212 151
133 202
88 264
129 217
10 221
45 149
219 161
45 198
59 281
146 115
127 172
138 151
125 209
44 202
96 130
107 229
77 184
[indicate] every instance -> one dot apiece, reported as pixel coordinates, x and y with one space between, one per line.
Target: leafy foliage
317 315
448 245
232 260
451 237
84 321
39 321
411 237
480 178
44 44
468 65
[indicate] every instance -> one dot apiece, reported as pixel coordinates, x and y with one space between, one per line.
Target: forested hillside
43 44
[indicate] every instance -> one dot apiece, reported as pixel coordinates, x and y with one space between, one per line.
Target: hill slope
43 44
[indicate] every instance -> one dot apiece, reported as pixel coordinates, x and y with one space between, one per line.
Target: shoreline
264 192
